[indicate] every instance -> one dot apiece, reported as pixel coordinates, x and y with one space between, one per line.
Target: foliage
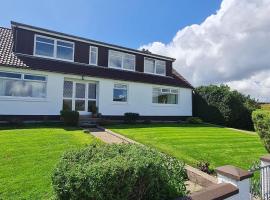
261 120
118 172
204 166
265 106
131 118
194 120
221 105
71 118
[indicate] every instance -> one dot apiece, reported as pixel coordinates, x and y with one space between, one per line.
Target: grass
29 154
265 106
193 143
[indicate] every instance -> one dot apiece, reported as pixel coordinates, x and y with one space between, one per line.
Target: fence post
265 176
238 177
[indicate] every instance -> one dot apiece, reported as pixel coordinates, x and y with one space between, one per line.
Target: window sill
119 103
23 99
165 105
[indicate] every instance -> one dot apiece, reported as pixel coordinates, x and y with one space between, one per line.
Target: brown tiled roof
9 59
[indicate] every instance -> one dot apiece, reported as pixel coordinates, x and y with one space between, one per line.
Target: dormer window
93 55
153 66
120 60
53 48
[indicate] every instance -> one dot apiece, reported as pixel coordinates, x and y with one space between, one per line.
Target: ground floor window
120 93
22 85
79 96
165 96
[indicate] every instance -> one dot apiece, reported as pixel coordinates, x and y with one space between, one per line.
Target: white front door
80 96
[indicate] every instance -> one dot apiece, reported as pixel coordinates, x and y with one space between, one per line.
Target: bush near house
71 118
118 172
220 105
131 118
261 120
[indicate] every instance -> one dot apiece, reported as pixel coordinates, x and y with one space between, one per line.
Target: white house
43 72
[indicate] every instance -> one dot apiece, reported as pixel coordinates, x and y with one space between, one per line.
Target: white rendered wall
139 98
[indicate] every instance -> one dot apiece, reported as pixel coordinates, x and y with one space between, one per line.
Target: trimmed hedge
71 118
131 118
261 120
118 172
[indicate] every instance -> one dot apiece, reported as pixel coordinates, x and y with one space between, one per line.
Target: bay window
120 60
153 66
53 48
22 85
165 96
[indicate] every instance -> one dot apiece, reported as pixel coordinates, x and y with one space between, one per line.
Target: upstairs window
120 60
54 48
165 96
153 66
93 56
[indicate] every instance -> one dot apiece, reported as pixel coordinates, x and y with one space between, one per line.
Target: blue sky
123 22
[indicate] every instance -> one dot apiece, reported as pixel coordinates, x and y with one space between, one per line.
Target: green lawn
28 156
191 143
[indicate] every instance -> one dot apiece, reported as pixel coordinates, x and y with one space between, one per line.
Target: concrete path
105 136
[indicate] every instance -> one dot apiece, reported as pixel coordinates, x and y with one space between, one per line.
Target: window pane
19 88
80 105
65 44
67 92
149 65
64 53
129 62
172 98
33 77
90 105
45 40
93 49
10 75
67 104
115 61
160 67
44 49
164 96
93 58
80 90
91 91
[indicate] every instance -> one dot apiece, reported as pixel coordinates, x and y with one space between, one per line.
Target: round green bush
118 172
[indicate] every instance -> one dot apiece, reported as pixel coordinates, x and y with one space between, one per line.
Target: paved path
106 137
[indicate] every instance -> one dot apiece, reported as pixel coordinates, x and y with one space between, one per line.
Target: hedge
71 118
261 120
118 172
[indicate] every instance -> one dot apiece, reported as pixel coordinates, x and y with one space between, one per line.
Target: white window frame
27 80
90 50
120 102
122 62
155 66
54 48
170 92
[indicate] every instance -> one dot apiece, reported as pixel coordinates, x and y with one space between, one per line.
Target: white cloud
231 46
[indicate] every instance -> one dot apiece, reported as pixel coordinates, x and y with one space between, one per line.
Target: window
93 56
54 48
120 60
22 85
165 96
120 93
153 66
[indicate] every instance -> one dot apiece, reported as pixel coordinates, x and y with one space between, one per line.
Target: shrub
70 118
220 105
131 118
204 166
194 120
261 120
118 172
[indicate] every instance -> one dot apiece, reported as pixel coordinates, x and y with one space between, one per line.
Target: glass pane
129 63
91 91
46 40
93 58
119 95
10 75
90 105
67 104
65 44
64 53
93 49
67 92
44 49
172 99
80 90
160 67
115 61
149 66
19 88
80 105
33 77
120 86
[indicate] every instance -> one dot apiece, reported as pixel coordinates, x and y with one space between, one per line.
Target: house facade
43 72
